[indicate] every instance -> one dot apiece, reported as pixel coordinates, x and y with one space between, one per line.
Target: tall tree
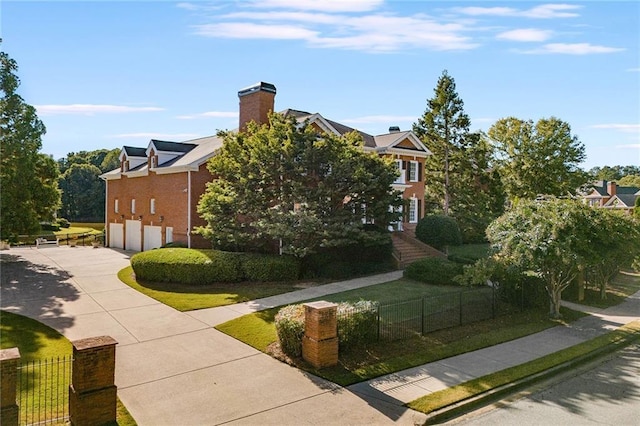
28 178
82 194
630 180
537 159
443 128
614 173
286 183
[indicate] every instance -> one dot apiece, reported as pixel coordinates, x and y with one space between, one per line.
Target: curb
493 395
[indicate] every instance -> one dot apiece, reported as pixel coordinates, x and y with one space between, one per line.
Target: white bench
45 242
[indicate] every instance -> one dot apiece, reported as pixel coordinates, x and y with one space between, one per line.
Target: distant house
608 194
152 198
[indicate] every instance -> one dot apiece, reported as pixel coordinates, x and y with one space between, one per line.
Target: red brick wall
170 192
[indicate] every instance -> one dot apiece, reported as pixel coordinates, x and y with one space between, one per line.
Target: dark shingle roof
172 146
133 151
342 129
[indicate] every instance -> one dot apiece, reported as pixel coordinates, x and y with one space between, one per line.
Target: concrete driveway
173 368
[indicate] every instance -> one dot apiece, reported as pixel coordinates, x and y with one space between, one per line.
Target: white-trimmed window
116 207
403 172
413 171
413 210
152 206
133 206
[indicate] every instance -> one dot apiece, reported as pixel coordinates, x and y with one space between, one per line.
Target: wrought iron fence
406 319
43 391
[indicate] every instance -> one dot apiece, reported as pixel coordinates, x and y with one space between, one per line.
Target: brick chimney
611 188
255 103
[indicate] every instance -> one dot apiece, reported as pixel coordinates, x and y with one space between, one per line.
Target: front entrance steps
407 249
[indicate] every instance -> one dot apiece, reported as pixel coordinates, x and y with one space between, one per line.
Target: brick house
610 195
152 199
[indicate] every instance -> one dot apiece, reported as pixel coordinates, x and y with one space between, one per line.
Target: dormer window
154 161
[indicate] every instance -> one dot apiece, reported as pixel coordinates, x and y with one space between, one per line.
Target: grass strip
586 350
37 341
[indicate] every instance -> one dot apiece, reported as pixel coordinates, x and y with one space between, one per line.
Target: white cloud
249 30
368 32
626 128
545 11
324 5
90 109
629 146
161 136
390 119
573 49
633 69
209 114
525 35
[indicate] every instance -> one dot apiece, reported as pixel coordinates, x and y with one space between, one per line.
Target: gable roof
622 201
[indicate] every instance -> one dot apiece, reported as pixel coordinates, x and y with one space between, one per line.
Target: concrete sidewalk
405 386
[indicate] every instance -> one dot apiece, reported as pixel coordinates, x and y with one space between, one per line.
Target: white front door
116 235
152 237
133 235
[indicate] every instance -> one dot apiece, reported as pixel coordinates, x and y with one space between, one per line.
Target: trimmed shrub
63 223
434 270
290 329
270 268
357 323
439 231
187 266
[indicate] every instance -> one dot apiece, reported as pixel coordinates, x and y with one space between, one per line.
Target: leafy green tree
104 159
439 231
615 243
28 178
285 183
82 194
614 173
537 159
550 238
630 180
443 128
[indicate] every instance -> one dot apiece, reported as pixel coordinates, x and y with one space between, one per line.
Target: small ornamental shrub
187 266
290 329
434 270
357 323
63 223
439 231
270 268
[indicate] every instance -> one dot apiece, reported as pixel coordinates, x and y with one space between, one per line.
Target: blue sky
108 74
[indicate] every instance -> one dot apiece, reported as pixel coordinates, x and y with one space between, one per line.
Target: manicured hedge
290 329
191 266
439 231
270 268
434 270
187 266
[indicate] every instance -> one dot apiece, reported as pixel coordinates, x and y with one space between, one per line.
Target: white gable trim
322 123
615 200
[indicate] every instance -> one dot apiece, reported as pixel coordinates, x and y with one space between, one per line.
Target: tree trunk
554 304
580 283
603 289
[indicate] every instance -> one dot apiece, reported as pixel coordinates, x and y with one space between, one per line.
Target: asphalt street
606 392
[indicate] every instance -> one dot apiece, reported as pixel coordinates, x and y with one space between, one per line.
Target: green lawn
622 286
36 341
190 297
258 330
471 251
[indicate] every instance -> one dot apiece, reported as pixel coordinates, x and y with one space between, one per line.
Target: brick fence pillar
320 340
92 393
9 360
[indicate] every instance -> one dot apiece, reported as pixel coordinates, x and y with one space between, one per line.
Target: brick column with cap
92 393
320 340
9 360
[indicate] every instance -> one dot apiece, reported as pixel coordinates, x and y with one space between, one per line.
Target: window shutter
405 166
419 172
419 202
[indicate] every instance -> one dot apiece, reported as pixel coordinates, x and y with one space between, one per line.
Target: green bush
434 270
439 231
348 261
270 268
357 324
290 329
187 266
63 223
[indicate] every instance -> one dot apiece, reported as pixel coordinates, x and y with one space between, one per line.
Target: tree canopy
286 183
539 158
614 173
28 178
551 238
83 194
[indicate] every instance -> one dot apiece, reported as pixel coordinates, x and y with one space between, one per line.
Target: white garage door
133 235
152 237
116 235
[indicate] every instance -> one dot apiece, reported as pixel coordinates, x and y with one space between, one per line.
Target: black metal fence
406 319
80 239
43 391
